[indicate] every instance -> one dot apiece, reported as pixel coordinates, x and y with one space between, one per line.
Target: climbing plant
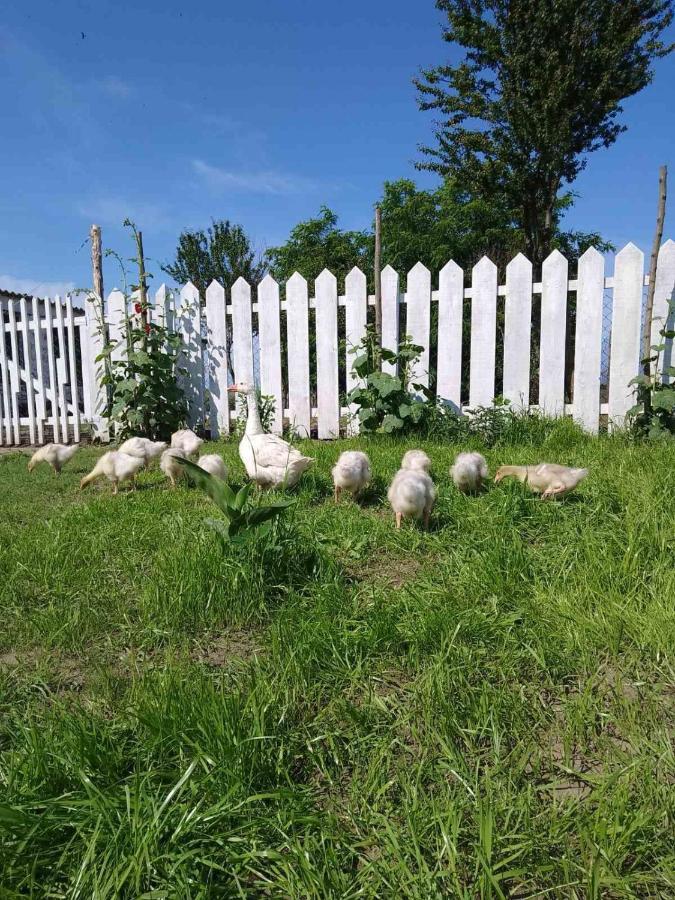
144 395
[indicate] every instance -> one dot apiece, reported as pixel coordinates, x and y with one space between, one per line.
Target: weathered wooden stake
378 279
96 260
658 234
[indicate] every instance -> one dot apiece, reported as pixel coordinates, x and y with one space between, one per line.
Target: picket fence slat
61 369
116 318
242 332
327 396
356 317
51 363
297 339
95 339
418 319
14 371
390 315
450 320
269 333
553 330
189 324
164 312
28 368
40 404
588 340
483 333
625 342
4 383
664 314
517 331
72 370
217 361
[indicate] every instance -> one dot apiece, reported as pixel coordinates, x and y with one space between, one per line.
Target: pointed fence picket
14 371
418 320
517 331
356 317
297 325
553 331
188 324
588 340
625 344
50 379
664 309
28 368
390 317
269 337
483 333
327 396
450 321
216 368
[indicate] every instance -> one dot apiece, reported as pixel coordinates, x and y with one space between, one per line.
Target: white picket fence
58 385
48 383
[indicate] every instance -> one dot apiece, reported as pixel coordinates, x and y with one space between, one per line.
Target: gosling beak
232 389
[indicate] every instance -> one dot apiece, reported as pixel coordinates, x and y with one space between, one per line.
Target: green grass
484 710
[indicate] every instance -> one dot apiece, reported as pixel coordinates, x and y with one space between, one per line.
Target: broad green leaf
391 423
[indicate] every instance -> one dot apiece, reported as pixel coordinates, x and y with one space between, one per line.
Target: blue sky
258 112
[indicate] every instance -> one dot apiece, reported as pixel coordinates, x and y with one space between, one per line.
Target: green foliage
428 226
145 397
385 403
318 244
242 521
223 252
653 415
535 88
143 394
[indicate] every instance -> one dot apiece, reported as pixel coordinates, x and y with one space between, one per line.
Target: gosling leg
399 519
336 493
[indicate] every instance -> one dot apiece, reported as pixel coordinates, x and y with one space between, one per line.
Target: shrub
144 396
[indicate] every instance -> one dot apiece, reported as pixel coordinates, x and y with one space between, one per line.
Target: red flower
147 328
138 308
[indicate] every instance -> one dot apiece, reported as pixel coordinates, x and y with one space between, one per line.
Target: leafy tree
223 252
319 244
538 88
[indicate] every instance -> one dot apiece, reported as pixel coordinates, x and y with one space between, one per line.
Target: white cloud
115 86
265 182
32 288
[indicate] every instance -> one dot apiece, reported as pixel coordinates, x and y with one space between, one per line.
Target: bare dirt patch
228 649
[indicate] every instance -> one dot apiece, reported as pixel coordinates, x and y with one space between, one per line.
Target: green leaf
664 399
404 410
641 379
384 383
242 496
222 528
391 424
361 365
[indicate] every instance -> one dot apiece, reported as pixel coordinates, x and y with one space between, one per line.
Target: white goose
269 460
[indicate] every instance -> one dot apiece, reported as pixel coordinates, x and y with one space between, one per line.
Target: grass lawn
484 710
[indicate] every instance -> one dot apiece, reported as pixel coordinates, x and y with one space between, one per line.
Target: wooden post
378 279
96 261
142 286
658 234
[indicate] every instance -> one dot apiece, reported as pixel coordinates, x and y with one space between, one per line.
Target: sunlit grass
483 710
